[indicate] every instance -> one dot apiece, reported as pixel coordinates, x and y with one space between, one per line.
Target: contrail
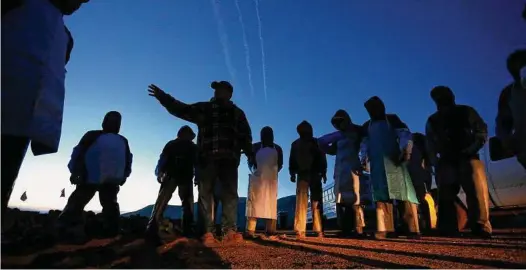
223 37
263 66
247 50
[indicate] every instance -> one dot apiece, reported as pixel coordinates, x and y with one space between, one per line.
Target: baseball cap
222 84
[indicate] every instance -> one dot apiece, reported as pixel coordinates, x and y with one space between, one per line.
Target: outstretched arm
189 112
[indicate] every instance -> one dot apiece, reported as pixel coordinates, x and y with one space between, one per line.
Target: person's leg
300 217
357 210
384 219
186 194
475 185
14 150
271 226
251 226
228 178
316 196
410 218
110 209
208 175
165 194
448 188
72 213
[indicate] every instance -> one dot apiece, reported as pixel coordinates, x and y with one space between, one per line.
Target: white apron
263 186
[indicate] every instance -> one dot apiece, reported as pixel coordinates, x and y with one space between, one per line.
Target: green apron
389 180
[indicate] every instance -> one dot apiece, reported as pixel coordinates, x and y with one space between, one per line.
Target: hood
443 97
112 122
375 108
267 136
186 130
305 130
341 120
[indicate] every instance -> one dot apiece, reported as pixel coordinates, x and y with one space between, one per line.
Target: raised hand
155 91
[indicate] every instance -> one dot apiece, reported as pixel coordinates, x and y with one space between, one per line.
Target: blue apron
389 180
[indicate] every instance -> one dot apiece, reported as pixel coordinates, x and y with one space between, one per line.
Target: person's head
68 7
443 97
305 130
375 108
516 65
267 136
341 120
112 122
186 133
223 90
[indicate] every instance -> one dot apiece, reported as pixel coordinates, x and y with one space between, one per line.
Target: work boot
300 235
208 239
482 235
384 235
250 235
319 234
232 237
414 236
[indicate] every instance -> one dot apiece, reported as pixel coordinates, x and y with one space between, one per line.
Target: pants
224 173
14 149
200 221
166 191
302 196
349 217
471 176
72 213
270 225
385 216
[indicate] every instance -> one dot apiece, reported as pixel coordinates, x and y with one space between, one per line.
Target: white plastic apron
263 185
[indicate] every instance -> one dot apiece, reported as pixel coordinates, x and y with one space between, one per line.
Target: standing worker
175 170
345 144
223 133
262 201
308 164
36 45
387 144
455 134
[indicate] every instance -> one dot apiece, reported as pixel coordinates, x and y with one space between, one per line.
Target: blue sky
320 56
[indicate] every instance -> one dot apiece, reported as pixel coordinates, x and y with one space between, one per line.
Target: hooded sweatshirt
306 158
179 156
102 156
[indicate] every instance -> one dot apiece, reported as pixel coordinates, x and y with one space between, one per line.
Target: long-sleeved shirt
306 158
223 129
178 159
457 133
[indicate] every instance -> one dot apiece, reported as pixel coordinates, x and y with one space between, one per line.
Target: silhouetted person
388 144
101 162
455 134
35 48
420 171
175 170
345 144
307 165
223 133
262 198
511 117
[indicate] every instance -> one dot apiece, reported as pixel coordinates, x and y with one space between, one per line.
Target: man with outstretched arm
224 132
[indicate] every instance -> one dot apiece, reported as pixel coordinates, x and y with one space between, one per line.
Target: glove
293 178
74 179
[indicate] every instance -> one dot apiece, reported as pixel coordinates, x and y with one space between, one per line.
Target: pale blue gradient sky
320 56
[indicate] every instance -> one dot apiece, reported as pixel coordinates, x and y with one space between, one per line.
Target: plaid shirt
223 129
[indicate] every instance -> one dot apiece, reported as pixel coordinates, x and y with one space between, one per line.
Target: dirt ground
505 251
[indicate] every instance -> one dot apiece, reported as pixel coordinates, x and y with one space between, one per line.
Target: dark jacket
178 159
223 129
306 158
456 134
393 120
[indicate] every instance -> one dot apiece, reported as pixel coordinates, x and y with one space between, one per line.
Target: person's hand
160 178
155 91
293 178
324 177
357 171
